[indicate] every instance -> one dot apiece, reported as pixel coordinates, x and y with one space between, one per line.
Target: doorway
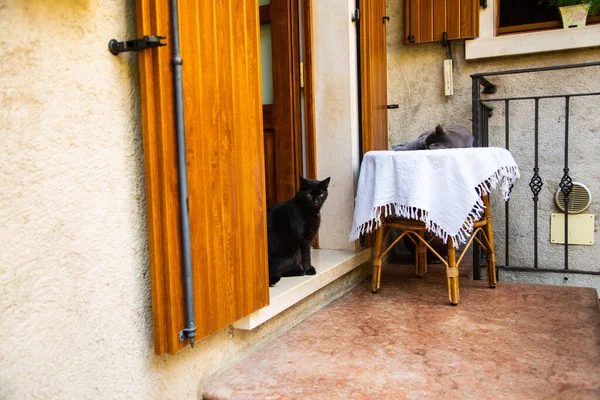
288 116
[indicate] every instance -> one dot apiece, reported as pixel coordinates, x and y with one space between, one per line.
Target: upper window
512 27
529 15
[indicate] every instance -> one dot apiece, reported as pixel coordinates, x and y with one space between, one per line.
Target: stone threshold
330 265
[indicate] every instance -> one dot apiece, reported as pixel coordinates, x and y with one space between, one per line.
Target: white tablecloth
442 188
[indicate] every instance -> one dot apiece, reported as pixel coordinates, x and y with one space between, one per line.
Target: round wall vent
579 198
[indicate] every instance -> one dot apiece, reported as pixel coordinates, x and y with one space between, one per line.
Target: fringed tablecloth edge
504 175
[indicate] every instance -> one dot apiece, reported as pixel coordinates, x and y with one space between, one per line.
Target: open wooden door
224 138
285 36
373 75
373 79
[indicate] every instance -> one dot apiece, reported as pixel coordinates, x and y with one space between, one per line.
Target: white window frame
489 44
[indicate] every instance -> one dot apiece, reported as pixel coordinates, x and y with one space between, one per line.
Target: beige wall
336 109
415 82
75 310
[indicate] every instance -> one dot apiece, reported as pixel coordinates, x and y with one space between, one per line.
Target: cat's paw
311 271
295 272
273 281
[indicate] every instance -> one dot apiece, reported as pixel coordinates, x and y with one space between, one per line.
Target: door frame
309 91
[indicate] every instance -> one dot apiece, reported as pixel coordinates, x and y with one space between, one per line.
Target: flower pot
574 16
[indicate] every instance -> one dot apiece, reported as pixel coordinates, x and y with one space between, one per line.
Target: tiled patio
517 341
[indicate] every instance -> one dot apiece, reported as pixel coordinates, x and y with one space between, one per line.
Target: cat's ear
303 181
440 131
325 183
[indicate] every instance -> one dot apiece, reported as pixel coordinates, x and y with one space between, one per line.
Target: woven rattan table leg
490 254
421 256
452 274
377 258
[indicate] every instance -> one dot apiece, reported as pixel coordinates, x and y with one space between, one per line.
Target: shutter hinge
483 3
147 42
356 16
301 74
188 333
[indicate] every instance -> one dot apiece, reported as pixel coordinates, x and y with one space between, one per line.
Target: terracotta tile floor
517 341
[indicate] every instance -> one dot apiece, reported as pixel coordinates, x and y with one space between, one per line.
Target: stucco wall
75 310
415 82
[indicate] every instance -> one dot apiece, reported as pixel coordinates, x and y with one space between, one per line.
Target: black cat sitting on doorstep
292 227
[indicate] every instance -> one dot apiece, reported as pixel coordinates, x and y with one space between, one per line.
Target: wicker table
393 192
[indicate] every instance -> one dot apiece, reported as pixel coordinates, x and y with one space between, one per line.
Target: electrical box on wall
581 229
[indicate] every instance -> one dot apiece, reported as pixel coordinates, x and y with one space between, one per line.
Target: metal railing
483 103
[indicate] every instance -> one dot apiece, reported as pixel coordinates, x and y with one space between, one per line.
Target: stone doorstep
330 265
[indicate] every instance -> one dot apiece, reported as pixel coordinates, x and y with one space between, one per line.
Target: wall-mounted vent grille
579 198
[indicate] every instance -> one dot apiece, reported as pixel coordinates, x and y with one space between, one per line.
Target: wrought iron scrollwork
566 184
536 183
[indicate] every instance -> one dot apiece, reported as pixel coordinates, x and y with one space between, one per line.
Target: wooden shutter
373 75
426 20
222 105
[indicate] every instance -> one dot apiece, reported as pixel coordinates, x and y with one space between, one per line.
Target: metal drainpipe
189 332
